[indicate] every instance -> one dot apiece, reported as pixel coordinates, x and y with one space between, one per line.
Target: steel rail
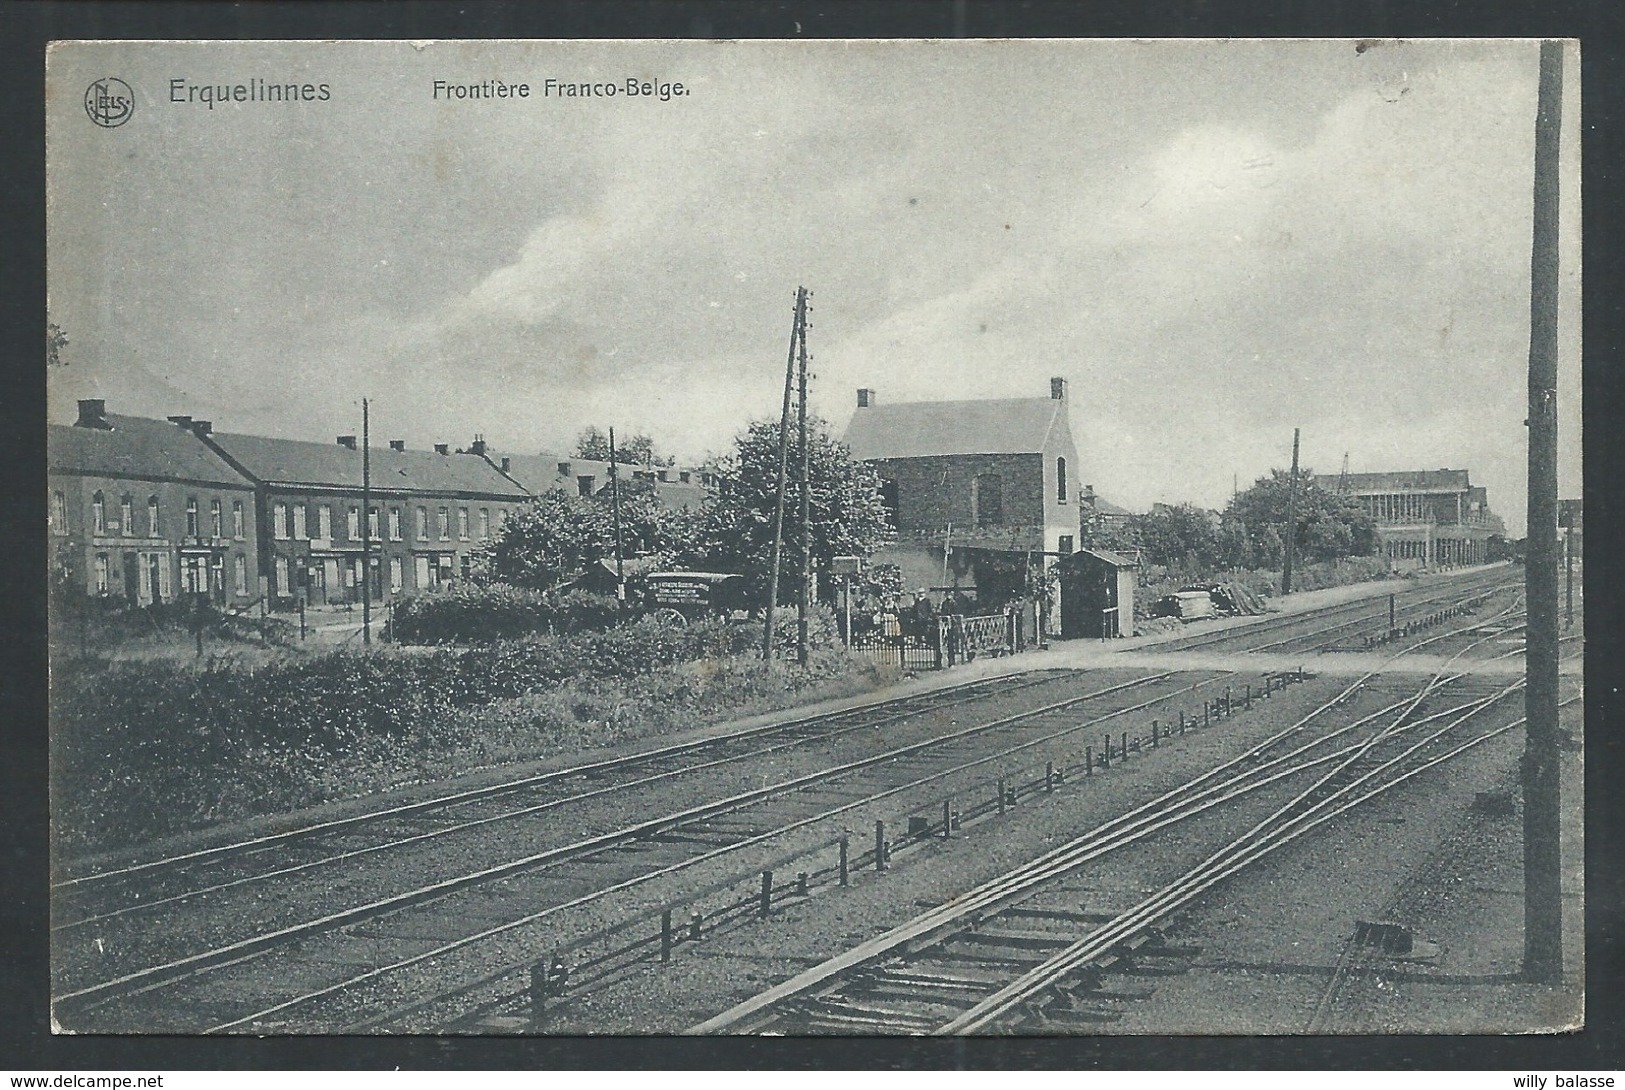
525 811
508 786
1139 821
1228 861
551 910
592 845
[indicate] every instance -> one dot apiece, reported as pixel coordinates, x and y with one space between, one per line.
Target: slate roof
925 429
138 447
1419 480
328 465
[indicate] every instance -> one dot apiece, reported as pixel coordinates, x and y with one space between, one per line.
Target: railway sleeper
1014 938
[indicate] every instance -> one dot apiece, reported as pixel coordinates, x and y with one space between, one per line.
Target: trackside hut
967 477
1097 595
428 511
144 511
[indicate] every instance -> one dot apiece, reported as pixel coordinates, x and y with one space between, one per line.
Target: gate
952 640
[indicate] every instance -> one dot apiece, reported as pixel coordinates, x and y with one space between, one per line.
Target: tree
561 533
1176 536
593 445
1328 525
55 342
848 517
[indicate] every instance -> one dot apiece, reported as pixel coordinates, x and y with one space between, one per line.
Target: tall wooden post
784 472
1291 521
366 527
615 515
1542 855
804 600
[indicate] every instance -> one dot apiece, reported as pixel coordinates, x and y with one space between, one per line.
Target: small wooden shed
1097 595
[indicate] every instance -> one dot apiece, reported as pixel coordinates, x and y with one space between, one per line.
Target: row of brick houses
146 510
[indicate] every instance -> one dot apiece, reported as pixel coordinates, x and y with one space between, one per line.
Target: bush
500 612
147 748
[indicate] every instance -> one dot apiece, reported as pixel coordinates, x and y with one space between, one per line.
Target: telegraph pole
784 471
366 528
1542 829
615 514
803 603
1291 521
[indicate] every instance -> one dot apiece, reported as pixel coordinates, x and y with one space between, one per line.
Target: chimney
347 441
685 476
201 428
442 448
1057 389
397 444
866 398
506 462
477 447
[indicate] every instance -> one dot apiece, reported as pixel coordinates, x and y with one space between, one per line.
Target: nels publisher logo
109 102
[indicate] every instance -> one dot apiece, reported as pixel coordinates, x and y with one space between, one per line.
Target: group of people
917 618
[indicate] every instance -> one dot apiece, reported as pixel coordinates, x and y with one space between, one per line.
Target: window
352 524
397 574
423 524
279 520
445 524
126 515
98 514
395 524
888 500
283 586
217 523
237 519
239 575
59 512
101 571
1066 548
191 516
462 524
584 486
154 527
301 521
372 523
1060 480
485 523
324 522
502 517
987 500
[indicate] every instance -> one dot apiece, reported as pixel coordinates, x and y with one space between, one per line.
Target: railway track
1020 954
560 877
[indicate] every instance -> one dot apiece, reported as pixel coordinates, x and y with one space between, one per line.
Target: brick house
969 482
428 511
538 474
144 511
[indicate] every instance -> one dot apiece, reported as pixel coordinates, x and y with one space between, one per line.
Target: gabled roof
135 446
925 429
323 465
1105 556
1411 480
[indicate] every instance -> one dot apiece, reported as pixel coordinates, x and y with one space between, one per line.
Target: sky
1213 242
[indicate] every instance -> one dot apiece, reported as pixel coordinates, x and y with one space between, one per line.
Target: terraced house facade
425 513
142 511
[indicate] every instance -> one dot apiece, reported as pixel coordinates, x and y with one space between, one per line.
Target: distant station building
1430 518
979 492
144 512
